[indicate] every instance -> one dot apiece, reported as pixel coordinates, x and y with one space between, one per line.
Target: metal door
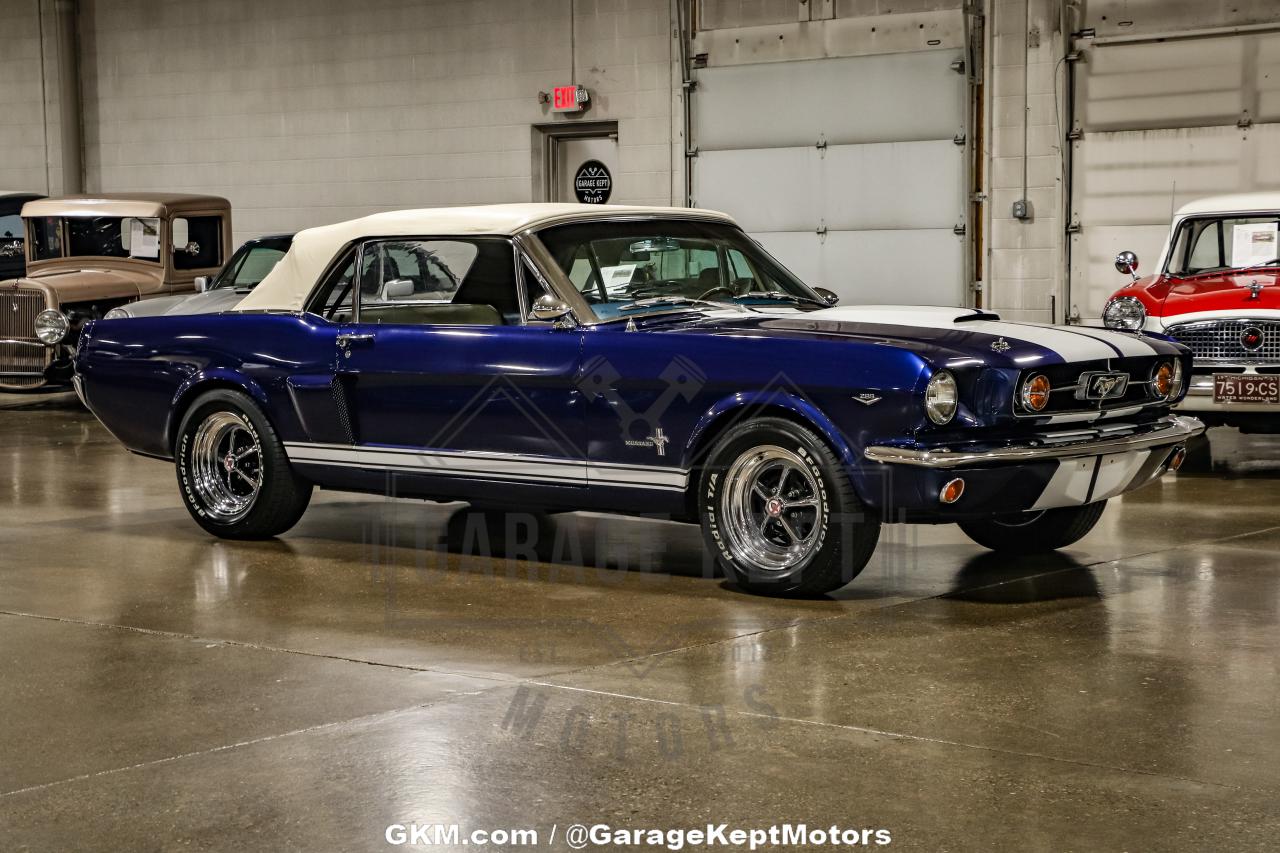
569 153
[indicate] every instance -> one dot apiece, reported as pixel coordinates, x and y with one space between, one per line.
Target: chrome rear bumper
1098 441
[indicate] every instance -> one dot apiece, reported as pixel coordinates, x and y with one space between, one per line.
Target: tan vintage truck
89 254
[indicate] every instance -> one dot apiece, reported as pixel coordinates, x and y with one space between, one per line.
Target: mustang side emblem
658 440
867 398
1000 345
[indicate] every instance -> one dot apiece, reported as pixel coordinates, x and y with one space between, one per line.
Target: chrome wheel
773 507
226 465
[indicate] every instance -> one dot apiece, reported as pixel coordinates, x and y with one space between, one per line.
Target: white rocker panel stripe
489 466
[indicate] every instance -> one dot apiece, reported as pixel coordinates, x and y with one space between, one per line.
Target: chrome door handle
346 340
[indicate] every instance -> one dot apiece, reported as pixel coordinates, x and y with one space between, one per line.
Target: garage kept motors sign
592 183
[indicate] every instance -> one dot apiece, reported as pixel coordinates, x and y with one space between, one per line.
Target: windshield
96 236
250 265
625 269
1211 244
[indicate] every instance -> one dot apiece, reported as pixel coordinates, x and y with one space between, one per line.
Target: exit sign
568 99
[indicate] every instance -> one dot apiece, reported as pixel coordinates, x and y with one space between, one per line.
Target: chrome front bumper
1097 441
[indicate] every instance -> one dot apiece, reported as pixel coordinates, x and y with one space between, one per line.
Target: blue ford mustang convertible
632 360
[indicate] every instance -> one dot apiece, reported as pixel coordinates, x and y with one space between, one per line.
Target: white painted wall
23 126
1024 259
304 112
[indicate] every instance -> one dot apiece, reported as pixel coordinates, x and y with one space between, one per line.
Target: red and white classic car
1216 288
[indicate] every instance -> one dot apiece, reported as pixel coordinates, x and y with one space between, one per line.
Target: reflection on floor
391 662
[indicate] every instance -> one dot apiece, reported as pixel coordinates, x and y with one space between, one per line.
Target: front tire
1035 532
778 511
233 473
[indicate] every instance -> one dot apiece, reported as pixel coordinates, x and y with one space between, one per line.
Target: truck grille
1223 340
23 358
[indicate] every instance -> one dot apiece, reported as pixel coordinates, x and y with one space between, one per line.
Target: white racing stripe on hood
1072 344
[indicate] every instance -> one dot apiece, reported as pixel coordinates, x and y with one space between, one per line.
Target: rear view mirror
202 283
828 296
547 307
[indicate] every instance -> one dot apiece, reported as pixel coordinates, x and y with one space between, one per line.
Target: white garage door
847 169
1162 124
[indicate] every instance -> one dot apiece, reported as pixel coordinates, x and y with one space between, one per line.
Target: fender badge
1000 345
867 398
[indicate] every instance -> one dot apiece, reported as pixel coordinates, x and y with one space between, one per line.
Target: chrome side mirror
548 308
202 283
828 296
1127 263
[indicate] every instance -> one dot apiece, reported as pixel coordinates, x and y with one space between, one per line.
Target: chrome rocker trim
1166 431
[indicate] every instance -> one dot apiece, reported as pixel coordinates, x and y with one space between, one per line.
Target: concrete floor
160 689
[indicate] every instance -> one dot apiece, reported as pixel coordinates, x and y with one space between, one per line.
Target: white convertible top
287 285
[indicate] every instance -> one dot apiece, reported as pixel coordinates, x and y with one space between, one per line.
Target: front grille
1065 380
1220 340
23 358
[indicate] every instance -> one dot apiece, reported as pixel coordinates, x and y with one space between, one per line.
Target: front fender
763 403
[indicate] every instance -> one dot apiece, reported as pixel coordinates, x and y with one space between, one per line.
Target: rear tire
233 473
1035 532
778 511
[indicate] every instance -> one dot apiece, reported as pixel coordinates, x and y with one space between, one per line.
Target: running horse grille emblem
1103 386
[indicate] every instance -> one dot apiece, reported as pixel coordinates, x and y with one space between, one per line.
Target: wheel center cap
229 461
773 506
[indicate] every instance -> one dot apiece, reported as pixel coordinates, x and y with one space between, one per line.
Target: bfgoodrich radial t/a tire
1035 532
232 470
779 513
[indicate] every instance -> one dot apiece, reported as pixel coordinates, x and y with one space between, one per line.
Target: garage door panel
1093 251
867 266
765 189
842 100
893 185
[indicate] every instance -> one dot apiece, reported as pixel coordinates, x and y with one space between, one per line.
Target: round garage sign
593 184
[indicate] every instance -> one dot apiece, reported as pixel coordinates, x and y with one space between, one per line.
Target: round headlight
51 326
1162 380
1125 313
1035 393
117 313
941 398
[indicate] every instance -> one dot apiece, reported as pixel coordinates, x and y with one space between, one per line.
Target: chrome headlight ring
51 326
1125 313
942 398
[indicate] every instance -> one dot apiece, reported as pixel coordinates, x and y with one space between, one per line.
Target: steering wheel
718 288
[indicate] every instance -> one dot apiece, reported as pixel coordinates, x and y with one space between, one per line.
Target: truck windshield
96 236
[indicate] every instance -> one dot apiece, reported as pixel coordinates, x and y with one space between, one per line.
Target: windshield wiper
783 295
679 300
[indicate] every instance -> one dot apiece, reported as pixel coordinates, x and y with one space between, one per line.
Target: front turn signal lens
1162 380
952 491
1035 393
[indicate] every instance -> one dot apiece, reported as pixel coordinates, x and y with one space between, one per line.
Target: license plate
1243 388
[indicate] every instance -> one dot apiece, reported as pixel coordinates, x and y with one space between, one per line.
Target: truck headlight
51 326
941 398
1125 313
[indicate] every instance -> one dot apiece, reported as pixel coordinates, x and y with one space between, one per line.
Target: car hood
1223 294
209 302
85 284
946 336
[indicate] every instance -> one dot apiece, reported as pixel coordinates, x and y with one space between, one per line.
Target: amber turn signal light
1179 456
952 491
1162 380
1035 393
